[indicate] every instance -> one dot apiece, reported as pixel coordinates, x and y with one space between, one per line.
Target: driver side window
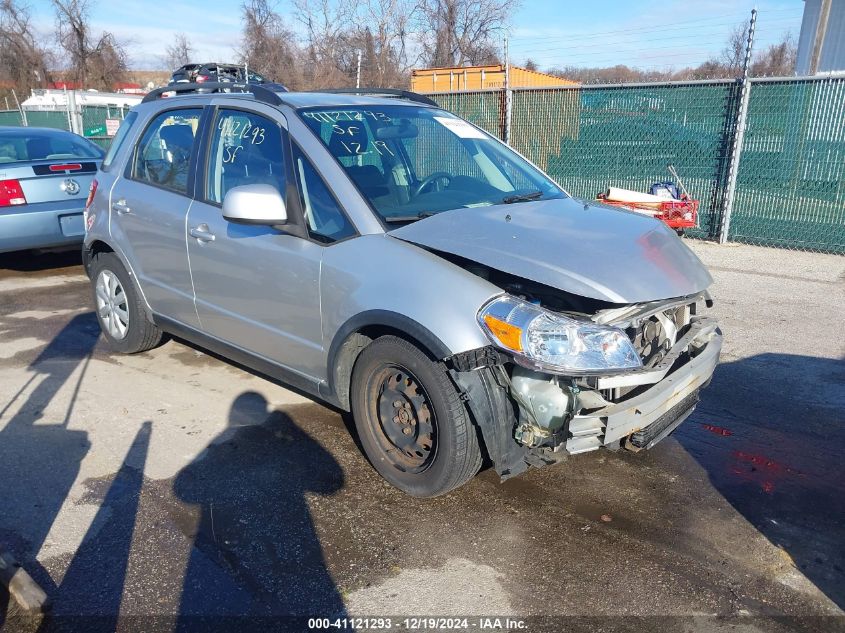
324 217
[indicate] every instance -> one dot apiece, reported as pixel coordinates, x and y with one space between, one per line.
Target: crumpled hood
585 249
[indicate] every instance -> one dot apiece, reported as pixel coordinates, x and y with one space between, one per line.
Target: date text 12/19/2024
418 623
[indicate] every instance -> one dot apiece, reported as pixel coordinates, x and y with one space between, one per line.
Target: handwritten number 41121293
242 130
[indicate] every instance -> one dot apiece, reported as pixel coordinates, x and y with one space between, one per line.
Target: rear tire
413 426
118 306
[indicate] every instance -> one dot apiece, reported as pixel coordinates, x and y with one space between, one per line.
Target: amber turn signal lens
509 335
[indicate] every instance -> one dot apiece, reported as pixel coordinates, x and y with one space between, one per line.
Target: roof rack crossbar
384 92
260 92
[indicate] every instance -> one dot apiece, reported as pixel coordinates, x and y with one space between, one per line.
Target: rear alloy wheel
410 419
111 305
120 312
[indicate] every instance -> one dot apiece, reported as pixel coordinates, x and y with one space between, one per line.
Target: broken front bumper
650 416
575 417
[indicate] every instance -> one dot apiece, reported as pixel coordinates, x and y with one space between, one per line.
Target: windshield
410 162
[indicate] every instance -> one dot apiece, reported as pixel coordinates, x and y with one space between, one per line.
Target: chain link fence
10 117
790 169
95 122
589 139
36 118
90 121
791 165
485 108
791 179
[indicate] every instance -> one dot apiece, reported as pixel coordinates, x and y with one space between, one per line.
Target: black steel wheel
413 426
407 425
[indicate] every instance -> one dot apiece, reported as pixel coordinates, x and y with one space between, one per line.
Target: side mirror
255 204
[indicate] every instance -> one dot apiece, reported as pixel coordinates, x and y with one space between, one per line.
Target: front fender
404 286
376 282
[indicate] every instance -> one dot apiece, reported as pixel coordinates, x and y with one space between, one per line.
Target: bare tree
778 60
330 48
24 62
107 62
72 35
733 55
383 41
94 62
609 75
460 32
179 52
268 46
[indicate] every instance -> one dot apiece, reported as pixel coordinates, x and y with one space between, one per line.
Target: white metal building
58 99
822 38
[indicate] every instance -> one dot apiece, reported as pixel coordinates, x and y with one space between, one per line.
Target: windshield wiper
408 218
522 197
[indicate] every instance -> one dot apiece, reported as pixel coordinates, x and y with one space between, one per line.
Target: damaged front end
604 397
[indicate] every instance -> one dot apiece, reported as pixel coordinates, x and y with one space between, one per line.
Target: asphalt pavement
174 487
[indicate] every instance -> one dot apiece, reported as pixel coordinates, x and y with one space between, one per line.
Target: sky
649 34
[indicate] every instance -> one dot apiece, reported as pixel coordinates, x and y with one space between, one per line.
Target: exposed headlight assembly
540 339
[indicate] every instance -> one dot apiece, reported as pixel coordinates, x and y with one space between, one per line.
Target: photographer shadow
253 521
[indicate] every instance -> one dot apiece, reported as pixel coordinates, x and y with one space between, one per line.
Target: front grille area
643 437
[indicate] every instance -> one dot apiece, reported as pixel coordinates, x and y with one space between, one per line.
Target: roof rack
384 92
261 92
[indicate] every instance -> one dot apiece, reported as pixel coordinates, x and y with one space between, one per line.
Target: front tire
117 302
413 426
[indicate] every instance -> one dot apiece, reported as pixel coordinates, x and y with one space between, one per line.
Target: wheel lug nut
406 431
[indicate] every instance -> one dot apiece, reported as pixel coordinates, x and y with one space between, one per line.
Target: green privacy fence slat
790 188
93 120
591 138
791 178
42 118
486 109
10 117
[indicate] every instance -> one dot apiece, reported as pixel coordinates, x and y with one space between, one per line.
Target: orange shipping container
490 77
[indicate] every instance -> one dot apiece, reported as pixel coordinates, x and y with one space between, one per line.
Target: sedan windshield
411 162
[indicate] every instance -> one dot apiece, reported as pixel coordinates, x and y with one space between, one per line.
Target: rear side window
246 149
163 157
119 138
